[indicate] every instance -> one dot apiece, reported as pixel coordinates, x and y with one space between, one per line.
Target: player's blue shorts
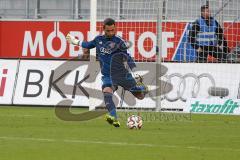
127 81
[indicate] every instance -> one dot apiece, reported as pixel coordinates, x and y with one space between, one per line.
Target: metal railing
119 9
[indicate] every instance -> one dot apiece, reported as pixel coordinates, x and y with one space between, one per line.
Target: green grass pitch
35 133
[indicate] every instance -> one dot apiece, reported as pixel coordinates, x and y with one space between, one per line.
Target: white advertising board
8 70
194 80
48 82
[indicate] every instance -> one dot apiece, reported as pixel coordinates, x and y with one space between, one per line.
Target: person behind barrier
207 38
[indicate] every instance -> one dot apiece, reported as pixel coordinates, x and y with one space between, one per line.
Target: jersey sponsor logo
105 51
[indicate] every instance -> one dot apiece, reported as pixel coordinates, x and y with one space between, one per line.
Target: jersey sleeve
131 62
88 45
124 48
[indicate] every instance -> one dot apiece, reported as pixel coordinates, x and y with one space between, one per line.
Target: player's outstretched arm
72 40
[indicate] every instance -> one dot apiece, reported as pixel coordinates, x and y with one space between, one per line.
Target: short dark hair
108 22
204 7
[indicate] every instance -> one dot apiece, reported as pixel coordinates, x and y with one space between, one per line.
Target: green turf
28 133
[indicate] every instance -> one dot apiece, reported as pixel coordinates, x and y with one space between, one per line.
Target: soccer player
112 54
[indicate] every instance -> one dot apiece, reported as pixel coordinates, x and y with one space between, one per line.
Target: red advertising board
232 33
37 39
46 39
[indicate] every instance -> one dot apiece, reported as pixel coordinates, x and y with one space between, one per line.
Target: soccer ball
134 122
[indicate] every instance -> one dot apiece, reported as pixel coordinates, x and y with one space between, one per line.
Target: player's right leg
107 89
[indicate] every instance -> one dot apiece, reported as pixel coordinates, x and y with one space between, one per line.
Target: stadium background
39 28
30 55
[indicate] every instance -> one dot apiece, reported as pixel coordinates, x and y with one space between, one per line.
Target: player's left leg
140 89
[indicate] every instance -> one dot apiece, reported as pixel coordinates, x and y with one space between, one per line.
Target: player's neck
109 37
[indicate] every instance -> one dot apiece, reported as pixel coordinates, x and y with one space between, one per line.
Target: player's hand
72 40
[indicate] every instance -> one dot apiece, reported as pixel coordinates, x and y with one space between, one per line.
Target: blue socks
110 104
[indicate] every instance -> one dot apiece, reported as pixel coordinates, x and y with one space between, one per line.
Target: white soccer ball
134 122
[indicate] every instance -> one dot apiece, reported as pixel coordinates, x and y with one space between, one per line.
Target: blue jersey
111 52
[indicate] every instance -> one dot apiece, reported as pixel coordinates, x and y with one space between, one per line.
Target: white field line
17 115
117 143
28 139
109 143
75 141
